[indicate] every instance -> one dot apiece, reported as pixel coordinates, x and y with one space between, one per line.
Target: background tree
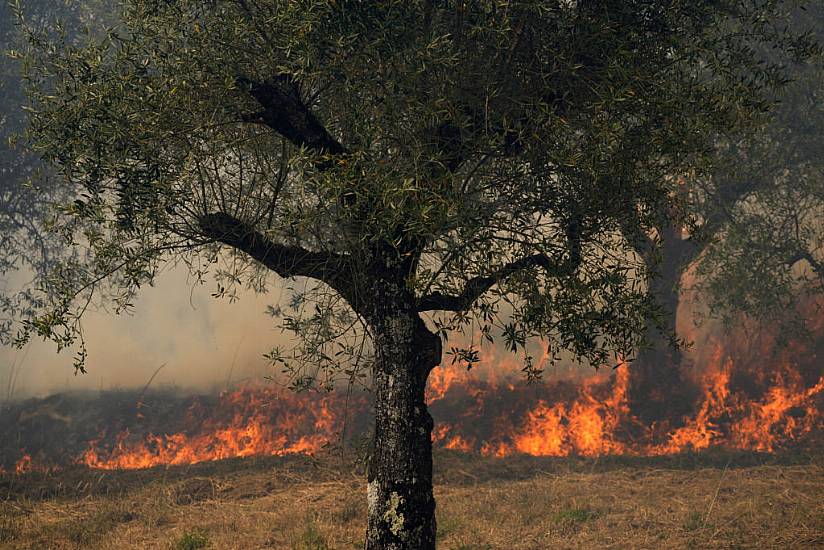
27 247
753 238
20 205
429 165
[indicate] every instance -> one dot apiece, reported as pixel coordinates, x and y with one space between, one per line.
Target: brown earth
711 500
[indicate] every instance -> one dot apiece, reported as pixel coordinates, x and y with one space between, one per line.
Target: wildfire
588 427
246 422
593 425
759 408
23 465
595 421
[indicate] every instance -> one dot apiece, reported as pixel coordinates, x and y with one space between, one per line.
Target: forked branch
285 112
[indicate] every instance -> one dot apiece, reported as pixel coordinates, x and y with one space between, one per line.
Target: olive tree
754 241
425 166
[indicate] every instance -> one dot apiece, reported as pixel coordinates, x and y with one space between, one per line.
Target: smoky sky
205 343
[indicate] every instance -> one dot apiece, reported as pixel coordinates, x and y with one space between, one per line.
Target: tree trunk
401 506
655 374
657 388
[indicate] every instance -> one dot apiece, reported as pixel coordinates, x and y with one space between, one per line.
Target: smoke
203 343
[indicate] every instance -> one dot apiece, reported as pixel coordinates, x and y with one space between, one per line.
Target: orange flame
261 422
23 465
585 428
746 408
588 425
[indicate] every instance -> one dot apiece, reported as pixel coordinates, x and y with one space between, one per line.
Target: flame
701 431
757 430
733 421
26 464
585 428
746 402
441 434
591 424
247 422
594 422
23 465
440 380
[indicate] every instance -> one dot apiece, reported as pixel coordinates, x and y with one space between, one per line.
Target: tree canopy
768 252
28 249
499 147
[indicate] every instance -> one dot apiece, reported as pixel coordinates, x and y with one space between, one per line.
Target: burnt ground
708 500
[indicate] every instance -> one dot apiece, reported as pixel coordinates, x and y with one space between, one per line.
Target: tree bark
657 388
401 506
656 372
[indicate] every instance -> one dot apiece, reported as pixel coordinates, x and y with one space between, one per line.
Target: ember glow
23 465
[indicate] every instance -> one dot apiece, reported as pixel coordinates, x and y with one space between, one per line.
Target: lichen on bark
392 517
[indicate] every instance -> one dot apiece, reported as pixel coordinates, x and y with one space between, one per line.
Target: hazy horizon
200 339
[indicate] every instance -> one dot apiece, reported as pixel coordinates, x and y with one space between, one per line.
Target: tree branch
477 286
286 261
285 112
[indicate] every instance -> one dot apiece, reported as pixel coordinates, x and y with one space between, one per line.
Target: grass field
717 500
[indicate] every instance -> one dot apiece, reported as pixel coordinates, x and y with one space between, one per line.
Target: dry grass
723 501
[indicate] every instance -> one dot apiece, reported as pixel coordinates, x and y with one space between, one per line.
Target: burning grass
764 397
121 430
707 500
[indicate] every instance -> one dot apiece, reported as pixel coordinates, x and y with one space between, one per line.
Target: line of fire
761 397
